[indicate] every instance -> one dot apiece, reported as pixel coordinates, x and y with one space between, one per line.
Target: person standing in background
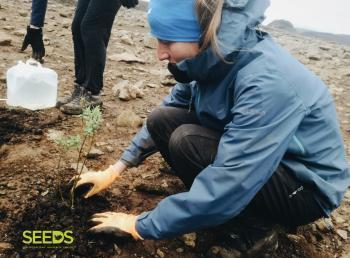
91 29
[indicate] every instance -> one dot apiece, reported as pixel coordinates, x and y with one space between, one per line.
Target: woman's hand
100 180
117 224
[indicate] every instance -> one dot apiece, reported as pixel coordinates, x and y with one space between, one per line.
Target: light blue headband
174 20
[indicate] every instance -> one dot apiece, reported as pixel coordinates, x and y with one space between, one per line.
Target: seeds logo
46 238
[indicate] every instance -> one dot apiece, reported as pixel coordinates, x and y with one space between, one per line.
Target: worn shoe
76 106
77 91
247 239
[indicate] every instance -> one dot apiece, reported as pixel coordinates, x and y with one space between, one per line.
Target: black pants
189 147
91 29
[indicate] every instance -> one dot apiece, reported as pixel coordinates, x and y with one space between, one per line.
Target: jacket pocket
236 3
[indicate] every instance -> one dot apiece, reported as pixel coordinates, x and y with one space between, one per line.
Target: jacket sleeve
142 144
265 118
38 13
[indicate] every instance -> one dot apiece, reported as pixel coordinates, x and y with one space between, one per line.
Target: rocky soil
135 82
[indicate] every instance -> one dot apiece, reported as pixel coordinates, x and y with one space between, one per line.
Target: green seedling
66 144
91 122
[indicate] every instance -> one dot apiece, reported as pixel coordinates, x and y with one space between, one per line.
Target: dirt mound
51 213
14 123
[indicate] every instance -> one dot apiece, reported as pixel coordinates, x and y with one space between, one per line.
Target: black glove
34 37
180 76
129 3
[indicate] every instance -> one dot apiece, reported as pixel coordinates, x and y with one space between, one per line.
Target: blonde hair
209 16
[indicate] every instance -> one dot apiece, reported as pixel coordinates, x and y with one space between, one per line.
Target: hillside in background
288 26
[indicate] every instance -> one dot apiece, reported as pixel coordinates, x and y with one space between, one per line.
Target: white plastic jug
31 86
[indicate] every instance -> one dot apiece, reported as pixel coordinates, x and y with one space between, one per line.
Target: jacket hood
237 32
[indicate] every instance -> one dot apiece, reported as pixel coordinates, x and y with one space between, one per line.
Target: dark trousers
189 147
91 29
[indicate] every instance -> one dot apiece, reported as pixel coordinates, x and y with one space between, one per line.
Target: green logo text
47 237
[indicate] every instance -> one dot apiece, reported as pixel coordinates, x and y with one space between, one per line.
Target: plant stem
76 179
59 180
80 152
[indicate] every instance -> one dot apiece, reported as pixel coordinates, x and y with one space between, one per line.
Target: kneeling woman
249 129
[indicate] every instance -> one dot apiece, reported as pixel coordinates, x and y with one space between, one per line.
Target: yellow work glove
116 224
99 180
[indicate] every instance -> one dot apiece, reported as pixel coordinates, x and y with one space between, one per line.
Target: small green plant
82 142
66 144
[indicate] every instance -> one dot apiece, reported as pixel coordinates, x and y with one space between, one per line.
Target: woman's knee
155 119
180 140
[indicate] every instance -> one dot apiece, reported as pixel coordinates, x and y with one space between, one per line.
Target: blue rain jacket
271 110
38 12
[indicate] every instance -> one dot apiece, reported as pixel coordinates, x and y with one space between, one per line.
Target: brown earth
29 198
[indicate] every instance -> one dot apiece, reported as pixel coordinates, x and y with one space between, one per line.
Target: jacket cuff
141 228
129 159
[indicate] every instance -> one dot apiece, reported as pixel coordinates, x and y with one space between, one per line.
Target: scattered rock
5 246
110 149
342 233
117 249
2 77
126 57
180 250
66 25
53 135
8 27
20 33
45 192
121 84
339 220
11 186
129 119
149 42
324 48
329 223
5 39
94 153
64 15
160 253
164 184
99 144
189 239
347 195
126 39
322 225
150 175
346 56
218 251
23 13
314 57
125 91
296 238
152 85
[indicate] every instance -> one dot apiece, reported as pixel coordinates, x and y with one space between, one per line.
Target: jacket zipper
301 147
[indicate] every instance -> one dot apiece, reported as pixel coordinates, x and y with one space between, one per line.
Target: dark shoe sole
263 248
